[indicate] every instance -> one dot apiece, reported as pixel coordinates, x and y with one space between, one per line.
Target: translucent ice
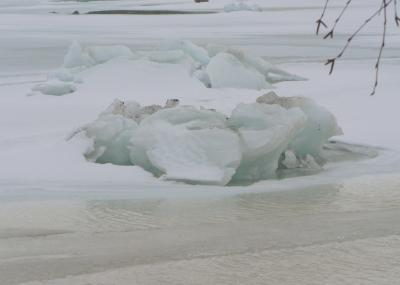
227 71
321 124
265 132
202 156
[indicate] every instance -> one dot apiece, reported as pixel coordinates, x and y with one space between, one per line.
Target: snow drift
214 66
201 146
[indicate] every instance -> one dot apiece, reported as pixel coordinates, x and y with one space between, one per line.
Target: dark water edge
148 12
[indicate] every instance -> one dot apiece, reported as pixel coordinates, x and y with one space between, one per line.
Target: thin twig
377 65
330 34
320 20
332 61
396 15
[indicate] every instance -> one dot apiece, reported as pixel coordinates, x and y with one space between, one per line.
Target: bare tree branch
396 15
383 7
320 20
330 34
377 65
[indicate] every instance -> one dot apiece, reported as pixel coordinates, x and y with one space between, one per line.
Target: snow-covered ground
61 215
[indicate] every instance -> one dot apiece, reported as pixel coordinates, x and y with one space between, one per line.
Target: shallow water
350 228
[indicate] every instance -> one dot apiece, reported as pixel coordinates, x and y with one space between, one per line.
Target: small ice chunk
226 71
76 57
290 160
55 87
129 109
197 53
268 98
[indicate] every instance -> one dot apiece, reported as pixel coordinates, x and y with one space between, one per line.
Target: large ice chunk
110 134
77 57
201 156
321 124
226 71
265 132
185 143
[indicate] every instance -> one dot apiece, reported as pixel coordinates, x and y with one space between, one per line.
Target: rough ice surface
321 124
111 134
265 132
201 146
205 156
214 66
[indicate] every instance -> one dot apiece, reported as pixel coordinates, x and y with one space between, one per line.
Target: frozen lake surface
66 221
